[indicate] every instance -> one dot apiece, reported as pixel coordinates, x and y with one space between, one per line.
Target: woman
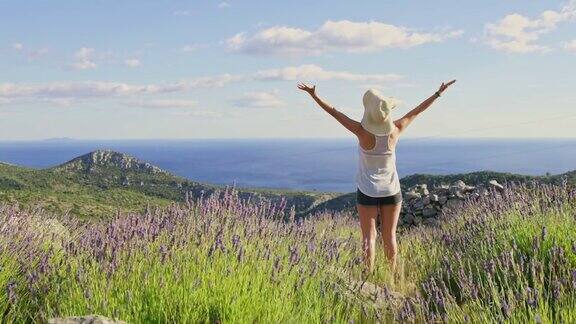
378 185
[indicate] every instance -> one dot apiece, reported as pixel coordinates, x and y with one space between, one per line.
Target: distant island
104 182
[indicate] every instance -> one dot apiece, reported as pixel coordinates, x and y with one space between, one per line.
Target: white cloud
181 13
88 89
36 54
258 100
31 53
192 47
162 103
224 5
62 102
516 33
314 72
64 92
5 101
570 46
384 87
100 89
213 81
344 35
84 59
198 113
133 62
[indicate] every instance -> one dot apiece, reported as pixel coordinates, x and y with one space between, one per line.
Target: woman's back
377 175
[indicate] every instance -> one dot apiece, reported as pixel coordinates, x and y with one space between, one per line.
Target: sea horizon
312 164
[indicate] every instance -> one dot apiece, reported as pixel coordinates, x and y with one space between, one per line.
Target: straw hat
377 117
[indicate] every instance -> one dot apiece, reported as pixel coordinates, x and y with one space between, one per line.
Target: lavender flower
11 292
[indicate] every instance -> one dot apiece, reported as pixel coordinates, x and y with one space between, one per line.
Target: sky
229 69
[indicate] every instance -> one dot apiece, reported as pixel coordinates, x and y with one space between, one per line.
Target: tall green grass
504 258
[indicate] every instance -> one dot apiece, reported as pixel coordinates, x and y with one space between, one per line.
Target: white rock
431 221
423 190
453 203
409 218
429 211
411 195
496 185
418 204
459 184
426 201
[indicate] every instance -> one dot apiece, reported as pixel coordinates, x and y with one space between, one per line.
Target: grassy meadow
502 258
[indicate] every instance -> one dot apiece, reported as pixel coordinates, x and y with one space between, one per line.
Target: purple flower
311 246
505 309
211 251
276 264
556 287
490 266
538 319
235 240
11 292
544 233
294 256
267 252
163 252
240 255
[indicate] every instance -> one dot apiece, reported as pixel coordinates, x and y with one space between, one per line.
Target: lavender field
506 257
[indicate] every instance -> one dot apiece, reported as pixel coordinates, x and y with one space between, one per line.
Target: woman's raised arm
347 122
403 122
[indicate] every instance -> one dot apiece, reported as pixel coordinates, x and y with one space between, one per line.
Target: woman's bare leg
389 215
368 216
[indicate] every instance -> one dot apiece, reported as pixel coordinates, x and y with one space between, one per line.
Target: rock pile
423 205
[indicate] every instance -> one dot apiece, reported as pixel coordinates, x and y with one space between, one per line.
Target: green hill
101 183
474 178
348 202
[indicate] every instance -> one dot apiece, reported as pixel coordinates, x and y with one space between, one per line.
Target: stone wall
423 205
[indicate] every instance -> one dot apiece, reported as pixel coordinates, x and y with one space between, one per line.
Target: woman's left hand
445 86
311 90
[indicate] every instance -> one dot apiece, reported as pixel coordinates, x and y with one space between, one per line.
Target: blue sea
307 164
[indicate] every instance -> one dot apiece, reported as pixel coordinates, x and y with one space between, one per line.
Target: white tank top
377 175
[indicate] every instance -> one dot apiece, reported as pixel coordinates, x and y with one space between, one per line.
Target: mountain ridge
104 181
108 158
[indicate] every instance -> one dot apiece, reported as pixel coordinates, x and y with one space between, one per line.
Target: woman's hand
311 90
445 86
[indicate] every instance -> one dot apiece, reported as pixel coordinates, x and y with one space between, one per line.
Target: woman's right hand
445 86
311 90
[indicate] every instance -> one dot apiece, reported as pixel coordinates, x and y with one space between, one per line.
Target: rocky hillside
482 177
107 159
102 182
478 179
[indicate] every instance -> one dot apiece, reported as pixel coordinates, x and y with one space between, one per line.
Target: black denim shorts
363 199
